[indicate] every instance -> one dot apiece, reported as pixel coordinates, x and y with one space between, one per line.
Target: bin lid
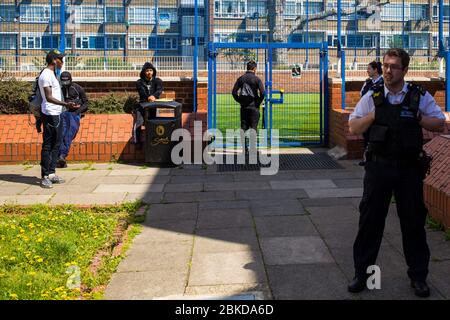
161 104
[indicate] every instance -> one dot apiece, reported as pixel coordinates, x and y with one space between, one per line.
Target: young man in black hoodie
149 88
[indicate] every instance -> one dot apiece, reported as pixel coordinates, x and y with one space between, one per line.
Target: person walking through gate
394 114
51 107
72 92
249 92
149 88
375 73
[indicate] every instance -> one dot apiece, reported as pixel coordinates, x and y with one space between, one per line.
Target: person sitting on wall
72 92
149 88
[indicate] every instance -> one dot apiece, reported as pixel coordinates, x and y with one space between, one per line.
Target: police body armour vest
368 85
396 132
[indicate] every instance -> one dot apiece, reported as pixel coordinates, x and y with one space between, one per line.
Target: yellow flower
31 273
13 296
39 239
39 260
29 284
12 258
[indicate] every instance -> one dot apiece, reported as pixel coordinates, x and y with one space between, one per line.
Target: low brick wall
339 134
437 184
101 138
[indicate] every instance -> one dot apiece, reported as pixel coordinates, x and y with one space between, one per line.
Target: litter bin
161 118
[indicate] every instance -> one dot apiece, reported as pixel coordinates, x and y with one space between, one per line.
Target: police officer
375 73
394 115
249 92
75 93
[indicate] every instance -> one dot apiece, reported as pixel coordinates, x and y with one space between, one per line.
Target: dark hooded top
147 88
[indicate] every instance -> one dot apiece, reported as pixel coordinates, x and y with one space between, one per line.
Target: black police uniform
394 165
245 92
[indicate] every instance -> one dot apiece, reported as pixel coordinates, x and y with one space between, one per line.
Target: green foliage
131 103
13 95
434 224
111 103
39 245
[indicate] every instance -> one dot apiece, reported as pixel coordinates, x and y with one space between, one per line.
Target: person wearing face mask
149 88
72 92
51 107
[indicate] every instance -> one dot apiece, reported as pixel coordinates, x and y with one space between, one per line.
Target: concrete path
210 234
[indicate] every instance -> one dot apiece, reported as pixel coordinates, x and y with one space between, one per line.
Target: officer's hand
151 98
371 115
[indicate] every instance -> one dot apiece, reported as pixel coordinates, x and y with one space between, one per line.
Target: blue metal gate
295 78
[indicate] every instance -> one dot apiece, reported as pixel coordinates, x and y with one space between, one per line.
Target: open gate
295 78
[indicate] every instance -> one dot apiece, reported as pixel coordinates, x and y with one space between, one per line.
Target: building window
7 13
436 12
419 11
34 13
30 42
394 11
314 7
333 40
85 14
115 14
7 41
259 7
141 15
89 42
115 42
225 37
230 8
418 41
172 12
164 43
292 9
138 42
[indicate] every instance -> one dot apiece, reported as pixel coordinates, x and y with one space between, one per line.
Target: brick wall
181 91
339 134
101 138
436 185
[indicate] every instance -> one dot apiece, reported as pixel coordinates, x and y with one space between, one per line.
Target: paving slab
24 199
60 189
295 250
231 186
302 184
172 211
145 285
184 187
187 172
224 218
270 194
276 208
152 179
333 215
348 183
338 235
327 202
88 198
202 178
88 180
13 190
307 282
329 174
140 172
334 193
256 291
234 204
146 197
226 268
131 188
167 231
225 240
257 177
167 257
284 226
198 196
438 277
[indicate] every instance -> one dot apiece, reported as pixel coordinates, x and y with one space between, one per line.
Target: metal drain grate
317 161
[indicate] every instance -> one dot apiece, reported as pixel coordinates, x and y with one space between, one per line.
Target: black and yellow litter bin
161 118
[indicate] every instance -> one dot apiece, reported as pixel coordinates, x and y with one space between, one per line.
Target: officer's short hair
251 65
376 65
399 52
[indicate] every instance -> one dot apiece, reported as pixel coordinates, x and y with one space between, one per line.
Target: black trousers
249 117
50 145
381 180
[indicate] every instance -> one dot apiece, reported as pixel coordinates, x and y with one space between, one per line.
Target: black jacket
75 93
252 97
146 88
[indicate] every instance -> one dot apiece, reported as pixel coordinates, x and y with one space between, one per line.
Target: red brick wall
101 138
339 134
436 185
181 91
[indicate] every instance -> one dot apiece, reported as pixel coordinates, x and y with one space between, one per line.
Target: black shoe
61 163
357 285
421 288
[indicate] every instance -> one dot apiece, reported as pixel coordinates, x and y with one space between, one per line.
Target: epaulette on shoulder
378 95
415 86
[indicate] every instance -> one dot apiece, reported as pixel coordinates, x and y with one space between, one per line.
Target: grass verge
62 252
